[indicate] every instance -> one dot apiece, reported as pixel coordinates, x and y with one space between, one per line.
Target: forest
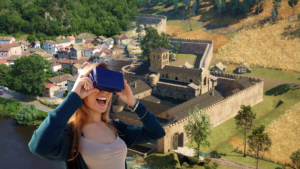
65 17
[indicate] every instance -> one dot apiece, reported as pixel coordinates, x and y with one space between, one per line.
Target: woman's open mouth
101 101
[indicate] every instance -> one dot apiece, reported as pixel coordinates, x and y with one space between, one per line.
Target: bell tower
159 57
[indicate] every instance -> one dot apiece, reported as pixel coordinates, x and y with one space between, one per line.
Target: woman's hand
126 95
79 86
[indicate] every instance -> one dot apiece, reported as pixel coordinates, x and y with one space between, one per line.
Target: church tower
159 57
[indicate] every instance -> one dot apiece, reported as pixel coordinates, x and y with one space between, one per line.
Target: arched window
167 75
176 78
191 80
204 81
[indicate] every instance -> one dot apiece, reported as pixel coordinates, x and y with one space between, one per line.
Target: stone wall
193 46
143 94
219 112
159 20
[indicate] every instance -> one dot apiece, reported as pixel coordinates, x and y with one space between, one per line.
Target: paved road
22 98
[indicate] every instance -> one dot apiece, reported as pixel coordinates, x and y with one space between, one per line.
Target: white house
64 42
71 38
55 66
89 52
8 40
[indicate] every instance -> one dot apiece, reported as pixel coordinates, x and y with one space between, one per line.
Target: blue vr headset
107 80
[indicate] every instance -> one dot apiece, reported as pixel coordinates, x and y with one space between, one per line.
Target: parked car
1 93
5 88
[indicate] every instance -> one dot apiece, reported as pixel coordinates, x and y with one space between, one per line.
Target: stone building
170 92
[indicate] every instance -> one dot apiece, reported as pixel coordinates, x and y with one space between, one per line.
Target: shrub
206 166
65 94
27 114
207 159
183 167
215 154
201 163
185 164
41 115
194 160
216 164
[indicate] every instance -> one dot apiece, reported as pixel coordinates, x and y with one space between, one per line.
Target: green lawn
267 111
184 56
186 25
163 160
272 73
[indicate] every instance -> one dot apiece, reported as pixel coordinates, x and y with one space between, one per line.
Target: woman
80 133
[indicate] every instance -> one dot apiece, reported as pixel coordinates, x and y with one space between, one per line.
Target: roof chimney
135 85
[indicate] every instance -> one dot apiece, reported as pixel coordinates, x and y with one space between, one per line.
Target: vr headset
107 80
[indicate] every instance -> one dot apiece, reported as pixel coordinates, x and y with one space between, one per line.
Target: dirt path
235 165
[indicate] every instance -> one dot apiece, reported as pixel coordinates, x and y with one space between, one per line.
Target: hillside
57 17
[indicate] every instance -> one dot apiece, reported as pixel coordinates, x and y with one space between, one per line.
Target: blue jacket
52 140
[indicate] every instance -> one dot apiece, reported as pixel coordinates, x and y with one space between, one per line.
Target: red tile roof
122 36
106 50
71 37
4 60
65 61
118 47
28 54
48 85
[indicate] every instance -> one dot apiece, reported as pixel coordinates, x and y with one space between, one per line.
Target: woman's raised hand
84 85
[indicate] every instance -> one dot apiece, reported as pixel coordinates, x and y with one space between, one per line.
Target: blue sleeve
49 140
149 132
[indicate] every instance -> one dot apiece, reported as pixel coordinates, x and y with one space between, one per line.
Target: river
14 151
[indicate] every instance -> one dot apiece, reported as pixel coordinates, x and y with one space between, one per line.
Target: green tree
175 2
28 114
293 3
153 40
30 38
260 5
188 12
194 8
244 119
66 71
259 142
29 75
199 128
4 74
176 48
295 157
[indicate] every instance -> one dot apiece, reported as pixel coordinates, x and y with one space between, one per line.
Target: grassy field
273 51
283 144
267 111
272 73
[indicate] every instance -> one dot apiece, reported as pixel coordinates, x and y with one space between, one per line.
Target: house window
184 96
204 81
158 90
171 94
176 78
191 80
24 49
162 75
167 76
167 115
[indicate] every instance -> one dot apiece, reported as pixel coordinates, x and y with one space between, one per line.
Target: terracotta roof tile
4 60
122 36
71 37
48 85
58 79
